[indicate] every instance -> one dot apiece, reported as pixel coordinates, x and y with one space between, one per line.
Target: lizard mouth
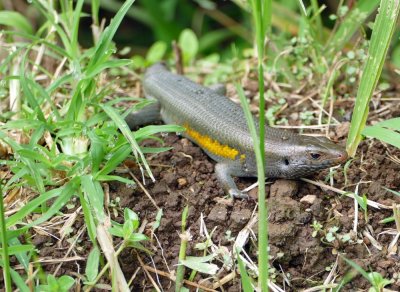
341 157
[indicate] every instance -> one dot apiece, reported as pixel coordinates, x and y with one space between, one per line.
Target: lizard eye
315 155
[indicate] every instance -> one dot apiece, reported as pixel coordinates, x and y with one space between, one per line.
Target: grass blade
23 258
116 178
92 266
68 190
351 23
103 46
31 206
75 28
89 219
392 123
262 14
107 65
145 132
384 26
17 249
27 90
95 194
244 277
15 20
4 244
19 282
116 159
262 208
124 128
386 131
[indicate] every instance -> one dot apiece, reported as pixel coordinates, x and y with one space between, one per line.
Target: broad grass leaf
92 264
16 20
244 277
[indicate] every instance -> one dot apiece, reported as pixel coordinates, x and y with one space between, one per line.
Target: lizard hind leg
147 115
224 172
218 88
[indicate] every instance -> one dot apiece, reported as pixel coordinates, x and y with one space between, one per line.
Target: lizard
218 125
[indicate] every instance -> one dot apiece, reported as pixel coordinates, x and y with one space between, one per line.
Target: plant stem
105 268
185 237
262 14
180 270
4 244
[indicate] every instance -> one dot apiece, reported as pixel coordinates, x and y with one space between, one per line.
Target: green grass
5 261
374 278
262 12
74 144
185 237
351 23
382 32
387 131
244 277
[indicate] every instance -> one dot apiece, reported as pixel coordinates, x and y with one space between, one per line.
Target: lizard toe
238 194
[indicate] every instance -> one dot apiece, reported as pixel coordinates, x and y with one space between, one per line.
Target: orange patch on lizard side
212 145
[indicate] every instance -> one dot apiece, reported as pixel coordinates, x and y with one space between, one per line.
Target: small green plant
330 235
345 170
189 45
62 284
272 110
155 54
131 238
376 280
127 230
196 264
362 202
306 117
317 228
204 246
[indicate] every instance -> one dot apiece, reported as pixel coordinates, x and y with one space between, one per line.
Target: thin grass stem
262 18
185 237
4 244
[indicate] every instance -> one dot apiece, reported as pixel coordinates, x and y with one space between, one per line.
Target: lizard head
309 155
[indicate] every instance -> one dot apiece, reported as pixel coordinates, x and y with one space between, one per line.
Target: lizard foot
238 194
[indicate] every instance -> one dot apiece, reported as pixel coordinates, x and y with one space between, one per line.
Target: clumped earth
308 225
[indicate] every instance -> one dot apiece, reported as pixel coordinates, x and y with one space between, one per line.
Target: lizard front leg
224 171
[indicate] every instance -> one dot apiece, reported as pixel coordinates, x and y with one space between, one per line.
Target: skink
219 127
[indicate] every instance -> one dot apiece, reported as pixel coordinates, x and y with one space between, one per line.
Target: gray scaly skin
219 127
